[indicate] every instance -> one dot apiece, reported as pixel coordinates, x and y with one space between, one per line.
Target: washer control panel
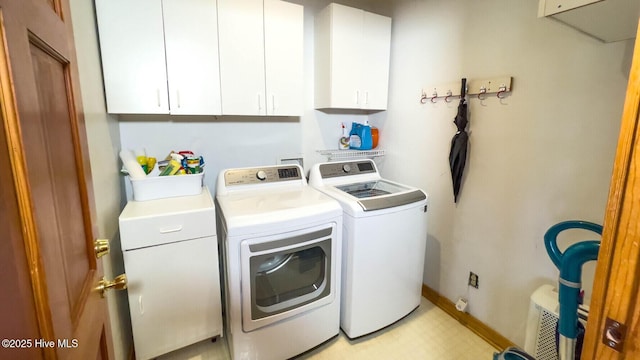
350 168
247 176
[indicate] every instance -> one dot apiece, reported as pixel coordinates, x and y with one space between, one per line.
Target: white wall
540 156
104 143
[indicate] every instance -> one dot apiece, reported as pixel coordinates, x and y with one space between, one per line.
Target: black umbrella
459 143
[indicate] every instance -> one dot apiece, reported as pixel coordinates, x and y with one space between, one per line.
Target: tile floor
426 334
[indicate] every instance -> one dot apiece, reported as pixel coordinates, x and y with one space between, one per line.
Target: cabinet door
191 43
133 62
283 36
346 56
241 40
174 295
376 42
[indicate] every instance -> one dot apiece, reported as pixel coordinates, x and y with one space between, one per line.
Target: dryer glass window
285 279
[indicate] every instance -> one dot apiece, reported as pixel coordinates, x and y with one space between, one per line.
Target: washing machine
384 241
281 253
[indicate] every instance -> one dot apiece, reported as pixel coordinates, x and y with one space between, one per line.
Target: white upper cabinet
191 45
159 56
376 46
241 57
352 59
133 64
283 53
261 57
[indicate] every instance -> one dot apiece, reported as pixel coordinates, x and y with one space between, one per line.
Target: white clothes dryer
384 241
281 253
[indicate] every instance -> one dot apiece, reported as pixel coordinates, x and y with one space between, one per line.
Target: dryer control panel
247 176
348 168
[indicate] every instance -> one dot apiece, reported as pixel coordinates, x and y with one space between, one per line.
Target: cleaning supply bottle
375 136
361 136
343 144
141 158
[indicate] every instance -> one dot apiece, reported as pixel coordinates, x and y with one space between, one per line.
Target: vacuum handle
551 237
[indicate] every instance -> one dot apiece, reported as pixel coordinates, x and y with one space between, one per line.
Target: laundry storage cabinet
261 57
352 51
171 261
160 56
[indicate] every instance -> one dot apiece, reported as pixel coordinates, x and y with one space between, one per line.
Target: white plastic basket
160 187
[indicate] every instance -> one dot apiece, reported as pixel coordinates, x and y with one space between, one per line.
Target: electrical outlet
473 279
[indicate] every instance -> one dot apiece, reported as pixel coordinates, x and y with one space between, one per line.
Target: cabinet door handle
170 230
158 95
178 97
259 103
273 103
366 98
357 96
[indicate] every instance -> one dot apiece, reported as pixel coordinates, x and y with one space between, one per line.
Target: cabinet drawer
149 231
162 221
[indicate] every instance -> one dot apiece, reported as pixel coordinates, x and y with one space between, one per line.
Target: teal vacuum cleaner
570 264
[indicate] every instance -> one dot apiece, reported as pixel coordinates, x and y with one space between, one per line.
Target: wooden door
49 192
616 291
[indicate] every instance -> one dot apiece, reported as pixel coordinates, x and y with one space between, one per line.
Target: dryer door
287 274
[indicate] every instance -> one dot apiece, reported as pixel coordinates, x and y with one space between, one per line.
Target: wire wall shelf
350 154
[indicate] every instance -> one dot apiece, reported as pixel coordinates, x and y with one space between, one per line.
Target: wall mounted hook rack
498 85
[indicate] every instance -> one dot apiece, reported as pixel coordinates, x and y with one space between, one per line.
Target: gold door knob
119 283
101 247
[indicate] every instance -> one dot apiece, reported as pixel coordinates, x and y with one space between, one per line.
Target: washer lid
374 188
358 187
382 194
385 202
